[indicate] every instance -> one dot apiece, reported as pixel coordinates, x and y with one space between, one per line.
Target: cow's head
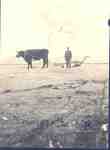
20 54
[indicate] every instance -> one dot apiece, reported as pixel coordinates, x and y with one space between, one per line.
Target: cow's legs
31 65
43 63
28 67
47 62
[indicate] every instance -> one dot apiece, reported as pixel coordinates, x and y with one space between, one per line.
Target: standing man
68 57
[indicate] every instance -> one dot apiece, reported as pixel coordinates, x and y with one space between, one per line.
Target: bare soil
55 104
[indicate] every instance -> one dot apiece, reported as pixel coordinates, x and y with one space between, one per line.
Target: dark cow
34 54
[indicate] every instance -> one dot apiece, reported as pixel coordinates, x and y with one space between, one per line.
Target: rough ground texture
53 105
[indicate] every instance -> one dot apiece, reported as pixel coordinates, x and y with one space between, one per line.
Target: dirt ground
51 105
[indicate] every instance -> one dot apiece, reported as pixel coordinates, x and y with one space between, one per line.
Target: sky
56 24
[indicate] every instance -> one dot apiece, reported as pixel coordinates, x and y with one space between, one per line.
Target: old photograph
54 73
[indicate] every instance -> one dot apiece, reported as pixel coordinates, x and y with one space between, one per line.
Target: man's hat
67 47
